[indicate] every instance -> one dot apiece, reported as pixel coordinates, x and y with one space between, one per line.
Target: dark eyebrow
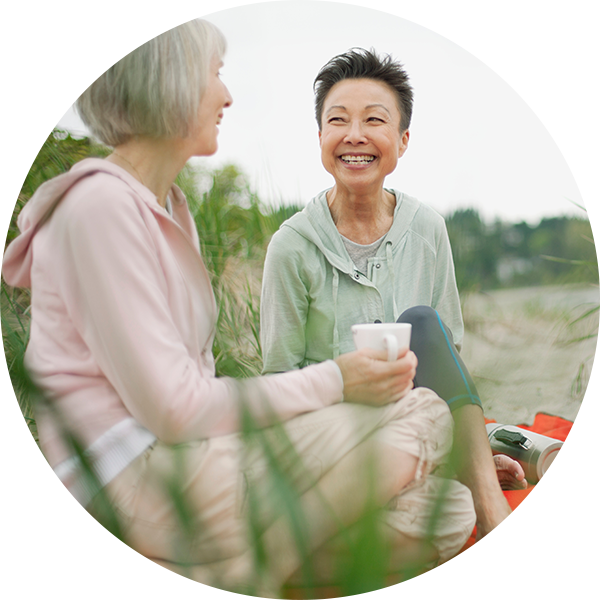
366 107
379 106
334 106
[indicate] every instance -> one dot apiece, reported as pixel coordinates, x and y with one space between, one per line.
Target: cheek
327 143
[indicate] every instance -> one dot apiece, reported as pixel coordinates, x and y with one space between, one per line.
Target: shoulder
289 250
423 212
100 209
295 233
287 238
100 196
301 220
295 247
425 220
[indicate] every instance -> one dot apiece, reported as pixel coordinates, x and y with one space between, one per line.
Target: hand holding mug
382 369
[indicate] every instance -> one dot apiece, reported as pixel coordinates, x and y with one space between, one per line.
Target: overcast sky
474 142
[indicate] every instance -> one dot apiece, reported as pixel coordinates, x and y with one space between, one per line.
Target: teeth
357 160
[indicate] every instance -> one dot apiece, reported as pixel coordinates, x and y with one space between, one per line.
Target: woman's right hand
370 379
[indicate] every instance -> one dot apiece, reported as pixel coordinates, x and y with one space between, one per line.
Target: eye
376 120
332 119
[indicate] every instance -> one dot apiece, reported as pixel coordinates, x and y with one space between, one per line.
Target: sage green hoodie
312 293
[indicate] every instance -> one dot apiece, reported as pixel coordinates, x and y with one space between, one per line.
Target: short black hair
359 63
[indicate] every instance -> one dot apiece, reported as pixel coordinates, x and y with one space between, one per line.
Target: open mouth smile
363 159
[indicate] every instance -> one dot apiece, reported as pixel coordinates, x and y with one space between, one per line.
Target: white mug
392 337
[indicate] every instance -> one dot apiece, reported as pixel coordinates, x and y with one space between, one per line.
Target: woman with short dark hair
362 253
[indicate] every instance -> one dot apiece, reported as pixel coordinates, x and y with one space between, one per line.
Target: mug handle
391 343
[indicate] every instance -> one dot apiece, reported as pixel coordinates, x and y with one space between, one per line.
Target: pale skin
363 212
156 163
361 141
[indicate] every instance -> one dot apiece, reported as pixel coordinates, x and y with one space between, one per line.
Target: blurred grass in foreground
234 229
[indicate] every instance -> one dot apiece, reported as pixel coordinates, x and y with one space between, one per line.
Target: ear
320 140
403 143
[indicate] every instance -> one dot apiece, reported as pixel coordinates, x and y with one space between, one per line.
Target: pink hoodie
123 317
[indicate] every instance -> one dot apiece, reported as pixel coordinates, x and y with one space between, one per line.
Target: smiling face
215 99
360 137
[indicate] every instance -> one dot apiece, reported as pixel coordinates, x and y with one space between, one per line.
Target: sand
525 352
520 348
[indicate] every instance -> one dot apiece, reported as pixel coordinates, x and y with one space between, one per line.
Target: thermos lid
547 458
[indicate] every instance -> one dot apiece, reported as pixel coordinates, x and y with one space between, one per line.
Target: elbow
169 432
176 425
203 410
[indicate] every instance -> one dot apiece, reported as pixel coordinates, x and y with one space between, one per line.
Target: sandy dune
519 347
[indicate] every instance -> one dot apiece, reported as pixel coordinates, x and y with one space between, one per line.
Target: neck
361 217
155 163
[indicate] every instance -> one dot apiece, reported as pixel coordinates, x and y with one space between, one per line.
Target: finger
407 363
407 389
412 357
382 369
400 389
380 355
407 356
403 352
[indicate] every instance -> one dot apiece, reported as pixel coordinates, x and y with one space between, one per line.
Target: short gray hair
155 90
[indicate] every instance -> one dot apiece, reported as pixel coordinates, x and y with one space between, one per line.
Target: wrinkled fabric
123 317
222 475
312 293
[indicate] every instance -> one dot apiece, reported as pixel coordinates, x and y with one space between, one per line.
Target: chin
207 151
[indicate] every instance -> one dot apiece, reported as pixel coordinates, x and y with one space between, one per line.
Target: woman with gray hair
123 321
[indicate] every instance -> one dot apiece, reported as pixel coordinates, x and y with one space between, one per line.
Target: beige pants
226 479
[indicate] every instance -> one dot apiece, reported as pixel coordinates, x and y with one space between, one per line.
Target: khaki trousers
220 482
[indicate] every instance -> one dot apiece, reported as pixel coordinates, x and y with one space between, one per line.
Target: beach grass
234 229
234 232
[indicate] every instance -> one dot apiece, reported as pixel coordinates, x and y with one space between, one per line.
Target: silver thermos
533 451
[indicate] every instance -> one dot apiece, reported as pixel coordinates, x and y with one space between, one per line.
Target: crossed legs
442 370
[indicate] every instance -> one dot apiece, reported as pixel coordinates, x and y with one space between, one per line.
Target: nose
228 98
355 133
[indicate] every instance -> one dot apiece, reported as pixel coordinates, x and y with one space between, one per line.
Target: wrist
338 370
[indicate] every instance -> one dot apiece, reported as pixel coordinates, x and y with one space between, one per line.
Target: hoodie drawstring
390 265
336 335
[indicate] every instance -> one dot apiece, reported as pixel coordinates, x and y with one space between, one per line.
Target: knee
422 402
424 419
438 509
420 317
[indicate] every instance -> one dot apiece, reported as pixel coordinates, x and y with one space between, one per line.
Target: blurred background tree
556 251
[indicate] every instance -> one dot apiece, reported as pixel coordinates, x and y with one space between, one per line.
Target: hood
316 225
17 261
